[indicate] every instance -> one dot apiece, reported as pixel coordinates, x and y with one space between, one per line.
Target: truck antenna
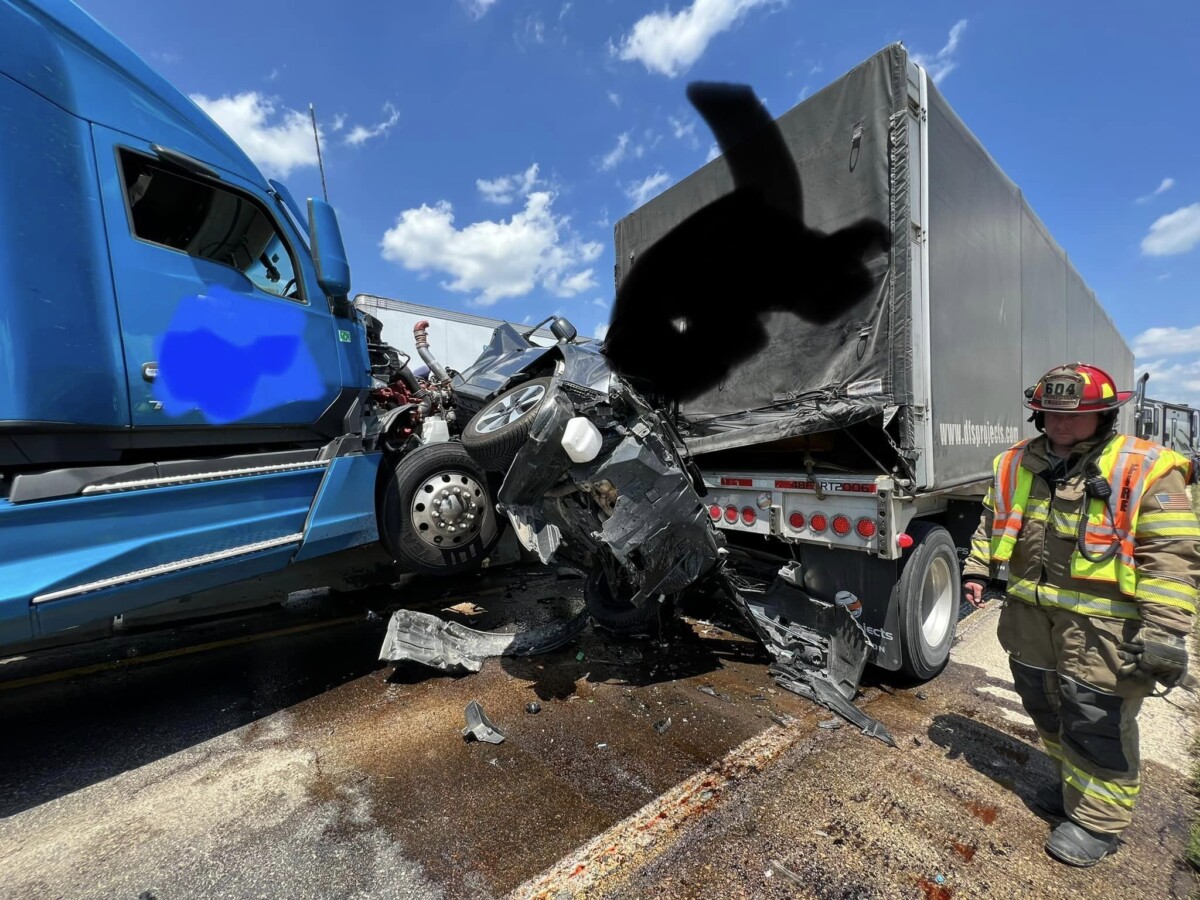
312 114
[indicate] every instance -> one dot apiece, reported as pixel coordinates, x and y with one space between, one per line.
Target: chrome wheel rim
509 408
448 509
937 602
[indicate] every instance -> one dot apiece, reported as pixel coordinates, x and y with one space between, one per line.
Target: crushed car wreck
596 474
597 479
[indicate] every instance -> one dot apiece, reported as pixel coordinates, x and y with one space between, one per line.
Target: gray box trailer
885 419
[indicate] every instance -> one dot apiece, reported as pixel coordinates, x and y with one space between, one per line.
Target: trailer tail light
818 522
749 516
715 512
731 514
796 520
904 541
841 525
866 528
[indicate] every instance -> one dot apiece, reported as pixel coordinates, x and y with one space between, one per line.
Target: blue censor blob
231 357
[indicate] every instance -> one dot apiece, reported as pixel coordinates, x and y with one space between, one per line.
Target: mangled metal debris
451 647
819 648
479 728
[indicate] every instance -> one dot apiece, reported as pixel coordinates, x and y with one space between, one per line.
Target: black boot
1077 846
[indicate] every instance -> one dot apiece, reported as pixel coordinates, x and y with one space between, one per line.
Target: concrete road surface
271 755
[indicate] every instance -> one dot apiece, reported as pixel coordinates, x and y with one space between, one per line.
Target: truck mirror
563 330
329 253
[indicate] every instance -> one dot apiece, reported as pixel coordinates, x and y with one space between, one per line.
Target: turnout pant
1064 668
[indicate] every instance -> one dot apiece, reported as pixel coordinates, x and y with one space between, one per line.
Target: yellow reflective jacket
1140 557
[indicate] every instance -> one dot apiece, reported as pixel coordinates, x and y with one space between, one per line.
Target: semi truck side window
172 209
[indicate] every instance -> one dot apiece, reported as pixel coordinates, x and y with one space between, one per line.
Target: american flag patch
1173 501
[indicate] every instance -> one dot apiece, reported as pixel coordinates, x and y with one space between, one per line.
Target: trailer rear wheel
927 595
436 512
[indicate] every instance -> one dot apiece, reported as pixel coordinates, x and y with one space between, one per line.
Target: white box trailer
852 443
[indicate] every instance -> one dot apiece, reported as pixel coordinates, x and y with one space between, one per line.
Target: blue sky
479 151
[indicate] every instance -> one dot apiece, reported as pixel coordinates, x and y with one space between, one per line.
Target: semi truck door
222 323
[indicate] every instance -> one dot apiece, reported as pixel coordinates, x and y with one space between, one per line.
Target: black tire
927 595
613 610
494 442
420 493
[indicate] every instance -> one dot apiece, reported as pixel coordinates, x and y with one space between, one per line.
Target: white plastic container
581 439
434 431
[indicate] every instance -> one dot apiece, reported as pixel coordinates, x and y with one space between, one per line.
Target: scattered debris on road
449 646
479 727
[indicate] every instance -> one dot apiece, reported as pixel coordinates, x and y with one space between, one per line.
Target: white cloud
534 32
600 332
713 152
1164 276
670 43
274 76
1167 341
617 154
641 191
478 8
494 260
165 56
566 8
339 122
277 139
360 134
1166 185
944 61
603 221
1175 382
684 129
508 187
615 99
1174 233
601 302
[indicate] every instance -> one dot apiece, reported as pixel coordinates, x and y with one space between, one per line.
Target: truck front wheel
436 514
928 595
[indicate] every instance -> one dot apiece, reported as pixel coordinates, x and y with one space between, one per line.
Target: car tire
424 504
497 432
928 595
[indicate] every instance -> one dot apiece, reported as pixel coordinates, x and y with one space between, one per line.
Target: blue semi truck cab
184 383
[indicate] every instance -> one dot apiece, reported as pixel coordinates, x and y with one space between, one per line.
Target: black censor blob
690 308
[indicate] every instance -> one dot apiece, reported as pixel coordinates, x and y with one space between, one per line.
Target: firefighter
1090 536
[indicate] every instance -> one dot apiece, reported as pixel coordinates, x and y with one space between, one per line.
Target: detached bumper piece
820 649
451 647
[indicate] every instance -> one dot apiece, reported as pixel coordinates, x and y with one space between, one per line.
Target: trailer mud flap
820 650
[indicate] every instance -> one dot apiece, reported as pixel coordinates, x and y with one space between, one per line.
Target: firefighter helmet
1075 388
